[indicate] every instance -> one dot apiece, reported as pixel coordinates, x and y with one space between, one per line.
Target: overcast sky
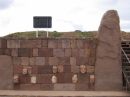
67 15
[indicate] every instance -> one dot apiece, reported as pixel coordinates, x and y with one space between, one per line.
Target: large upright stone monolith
108 54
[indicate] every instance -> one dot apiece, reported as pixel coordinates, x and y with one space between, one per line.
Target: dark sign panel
42 21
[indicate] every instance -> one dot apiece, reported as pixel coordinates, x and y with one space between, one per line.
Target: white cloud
67 15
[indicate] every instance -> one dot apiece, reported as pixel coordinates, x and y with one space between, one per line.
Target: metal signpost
42 22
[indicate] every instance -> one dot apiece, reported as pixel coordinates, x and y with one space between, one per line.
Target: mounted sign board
42 21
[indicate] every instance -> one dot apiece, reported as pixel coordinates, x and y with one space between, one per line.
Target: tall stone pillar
108 69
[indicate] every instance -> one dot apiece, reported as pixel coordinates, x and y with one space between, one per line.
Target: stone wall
36 61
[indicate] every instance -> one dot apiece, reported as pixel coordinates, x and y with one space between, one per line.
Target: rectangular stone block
67 52
67 68
53 61
73 43
24 61
64 77
7 52
14 52
35 52
3 43
34 69
30 86
25 52
82 87
30 43
45 52
75 52
40 60
82 61
72 60
64 60
47 87
66 43
59 43
44 79
90 69
32 61
16 60
58 52
64 87
52 43
44 43
80 43
13 43
82 53
74 69
46 69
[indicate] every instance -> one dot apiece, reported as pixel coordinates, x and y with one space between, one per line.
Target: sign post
42 22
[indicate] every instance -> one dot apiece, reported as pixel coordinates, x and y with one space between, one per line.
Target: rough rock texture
6 72
108 56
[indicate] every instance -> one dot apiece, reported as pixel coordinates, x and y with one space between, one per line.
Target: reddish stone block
64 77
82 53
45 52
64 87
24 61
14 52
25 52
67 68
1 51
67 52
66 43
30 86
24 79
44 78
7 52
13 43
16 60
58 52
82 61
80 43
82 87
72 60
46 69
44 43
75 69
64 60
34 69
59 43
3 43
53 61
47 87
75 52
52 43
35 52
30 43
40 61
73 43
17 69
32 61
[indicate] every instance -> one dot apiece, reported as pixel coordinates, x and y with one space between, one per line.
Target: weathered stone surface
108 56
52 43
40 60
6 72
72 61
25 52
44 43
3 43
35 52
66 43
30 43
58 52
14 52
80 43
53 61
67 52
64 87
44 79
13 43
45 52
24 61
